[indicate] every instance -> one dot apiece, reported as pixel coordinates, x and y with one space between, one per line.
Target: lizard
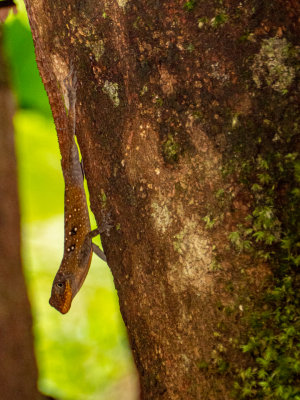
78 245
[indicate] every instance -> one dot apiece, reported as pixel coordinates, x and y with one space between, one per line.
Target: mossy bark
172 100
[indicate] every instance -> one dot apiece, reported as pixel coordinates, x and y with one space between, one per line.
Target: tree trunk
18 372
179 105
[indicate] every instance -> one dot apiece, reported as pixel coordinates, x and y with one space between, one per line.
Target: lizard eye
59 284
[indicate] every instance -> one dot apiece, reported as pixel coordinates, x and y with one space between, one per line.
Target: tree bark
18 372
173 100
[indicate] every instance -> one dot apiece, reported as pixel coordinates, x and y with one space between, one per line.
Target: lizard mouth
62 302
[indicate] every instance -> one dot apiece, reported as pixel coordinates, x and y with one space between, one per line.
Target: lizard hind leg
82 168
104 228
99 252
96 249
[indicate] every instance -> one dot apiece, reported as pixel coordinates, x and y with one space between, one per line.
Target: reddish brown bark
162 86
18 372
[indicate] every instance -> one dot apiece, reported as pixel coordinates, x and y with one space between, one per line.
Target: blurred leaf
41 180
27 83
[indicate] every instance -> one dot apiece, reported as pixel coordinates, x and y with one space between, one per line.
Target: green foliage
190 47
223 366
220 194
27 83
238 239
103 198
203 364
209 222
274 346
189 5
171 149
202 21
271 232
40 178
219 19
158 101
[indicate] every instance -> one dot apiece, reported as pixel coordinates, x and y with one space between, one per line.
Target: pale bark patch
61 71
122 3
141 156
194 259
167 81
162 216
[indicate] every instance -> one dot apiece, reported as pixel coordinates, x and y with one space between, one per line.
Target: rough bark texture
18 372
169 95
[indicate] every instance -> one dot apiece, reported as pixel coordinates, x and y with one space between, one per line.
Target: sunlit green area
83 354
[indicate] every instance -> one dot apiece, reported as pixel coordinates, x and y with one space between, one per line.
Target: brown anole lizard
78 246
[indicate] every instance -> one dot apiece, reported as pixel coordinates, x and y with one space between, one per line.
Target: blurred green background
83 354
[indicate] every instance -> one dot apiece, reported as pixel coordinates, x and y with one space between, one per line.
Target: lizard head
62 293
67 282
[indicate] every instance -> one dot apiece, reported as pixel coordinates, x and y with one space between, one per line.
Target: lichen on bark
271 65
